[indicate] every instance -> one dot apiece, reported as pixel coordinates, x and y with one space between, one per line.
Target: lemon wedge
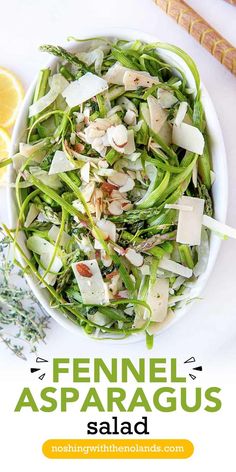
11 94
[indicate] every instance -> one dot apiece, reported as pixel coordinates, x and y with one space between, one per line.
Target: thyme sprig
22 321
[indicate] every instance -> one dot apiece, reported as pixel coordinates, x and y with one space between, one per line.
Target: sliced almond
123 294
127 206
116 195
119 178
91 133
83 270
115 208
117 137
108 230
79 147
129 185
108 187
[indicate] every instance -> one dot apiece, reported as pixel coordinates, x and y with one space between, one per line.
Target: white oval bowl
220 186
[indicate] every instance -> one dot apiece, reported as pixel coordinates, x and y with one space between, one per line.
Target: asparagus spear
40 90
61 52
158 252
204 193
153 241
133 216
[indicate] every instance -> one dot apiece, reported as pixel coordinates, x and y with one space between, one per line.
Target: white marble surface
210 326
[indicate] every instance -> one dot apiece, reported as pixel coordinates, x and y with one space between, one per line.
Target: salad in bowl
113 186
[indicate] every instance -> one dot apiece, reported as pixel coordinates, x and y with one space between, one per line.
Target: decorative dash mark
191 359
33 370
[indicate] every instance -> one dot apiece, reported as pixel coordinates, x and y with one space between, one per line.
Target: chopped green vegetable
99 191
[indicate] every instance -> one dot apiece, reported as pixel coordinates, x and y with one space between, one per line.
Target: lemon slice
4 149
11 94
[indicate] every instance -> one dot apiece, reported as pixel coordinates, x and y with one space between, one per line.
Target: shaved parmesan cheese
134 257
188 137
83 89
133 79
158 116
57 86
84 172
182 110
93 290
218 227
166 98
175 267
157 299
190 223
165 133
54 232
32 214
60 163
115 74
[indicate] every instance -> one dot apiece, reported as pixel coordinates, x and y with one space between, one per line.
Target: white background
209 329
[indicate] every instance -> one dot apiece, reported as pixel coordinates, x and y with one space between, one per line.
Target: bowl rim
215 242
